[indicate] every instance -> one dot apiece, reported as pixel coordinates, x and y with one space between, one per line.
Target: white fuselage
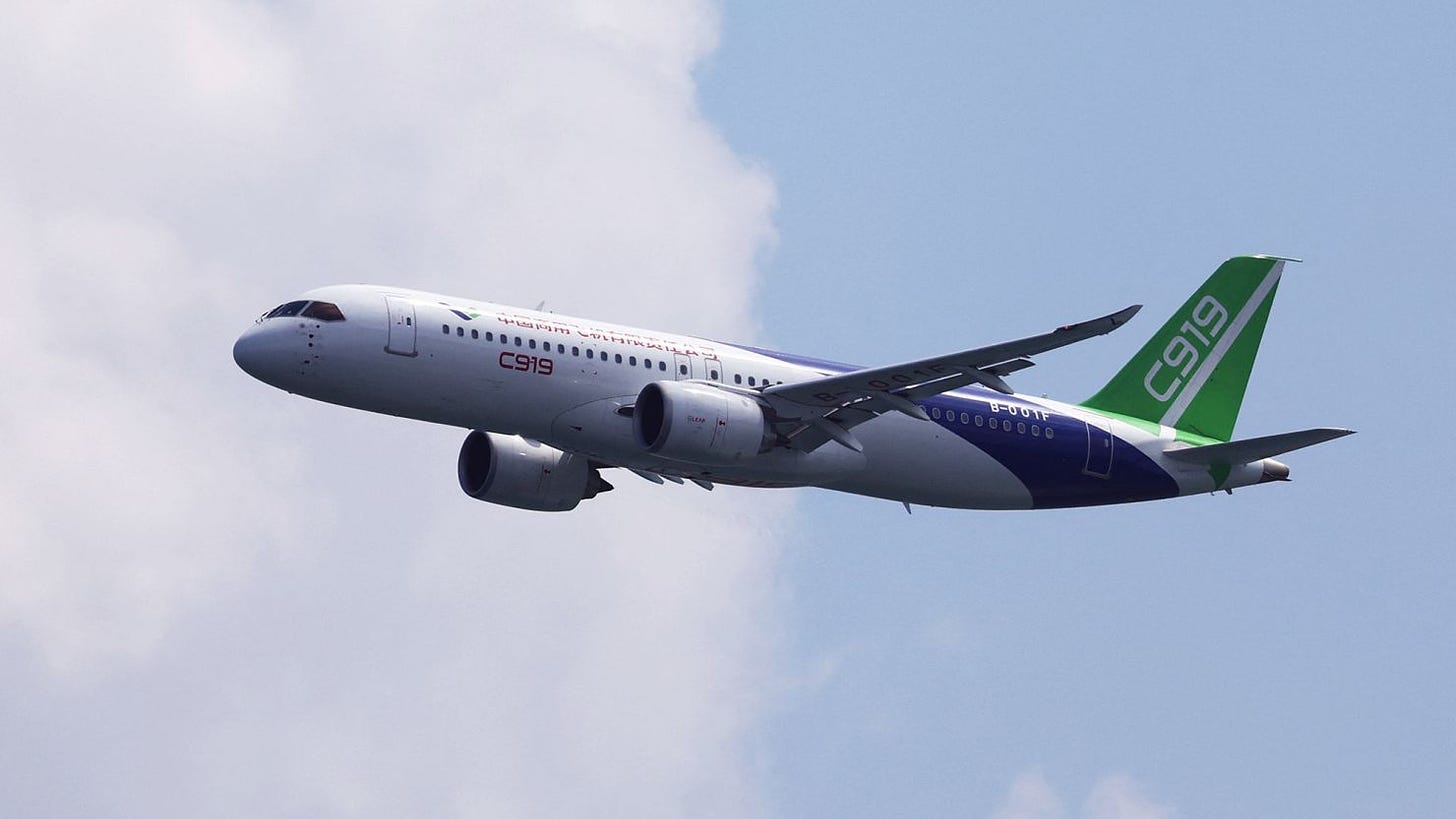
571 383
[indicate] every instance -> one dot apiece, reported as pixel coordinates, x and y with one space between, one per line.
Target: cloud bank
220 600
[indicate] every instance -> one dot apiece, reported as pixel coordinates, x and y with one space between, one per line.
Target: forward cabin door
401 326
1099 448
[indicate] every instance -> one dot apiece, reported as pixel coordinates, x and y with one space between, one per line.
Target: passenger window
1021 427
445 328
489 336
713 374
409 321
752 382
589 352
619 358
980 421
737 379
1035 431
460 331
474 333
632 360
1049 433
935 413
533 343
561 349
518 341
576 351
965 418
682 369
662 366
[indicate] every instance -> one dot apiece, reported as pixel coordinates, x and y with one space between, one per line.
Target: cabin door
401 326
1099 449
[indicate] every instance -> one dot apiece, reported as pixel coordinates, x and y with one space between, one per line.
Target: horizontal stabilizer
1250 450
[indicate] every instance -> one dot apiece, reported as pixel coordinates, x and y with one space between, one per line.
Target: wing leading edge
811 413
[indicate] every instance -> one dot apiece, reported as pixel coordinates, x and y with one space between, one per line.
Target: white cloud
258 605
1030 798
1119 797
1116 796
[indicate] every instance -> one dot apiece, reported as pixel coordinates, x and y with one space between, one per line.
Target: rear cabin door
401 326
1099 448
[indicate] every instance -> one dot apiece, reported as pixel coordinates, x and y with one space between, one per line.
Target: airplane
552 401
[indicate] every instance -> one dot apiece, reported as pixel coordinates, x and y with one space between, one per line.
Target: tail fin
1193 372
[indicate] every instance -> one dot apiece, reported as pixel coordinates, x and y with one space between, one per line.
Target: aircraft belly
923 463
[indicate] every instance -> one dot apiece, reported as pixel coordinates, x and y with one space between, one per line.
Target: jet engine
698 423
512 471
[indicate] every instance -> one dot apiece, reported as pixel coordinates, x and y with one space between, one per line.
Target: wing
810 413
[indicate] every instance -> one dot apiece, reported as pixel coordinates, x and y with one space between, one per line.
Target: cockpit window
324 311
292 308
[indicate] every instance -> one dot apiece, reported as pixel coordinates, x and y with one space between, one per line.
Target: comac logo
470 316
1182 353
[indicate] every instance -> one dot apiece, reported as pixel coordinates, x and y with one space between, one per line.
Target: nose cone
263 353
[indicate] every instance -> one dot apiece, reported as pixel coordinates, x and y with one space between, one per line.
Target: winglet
1112 321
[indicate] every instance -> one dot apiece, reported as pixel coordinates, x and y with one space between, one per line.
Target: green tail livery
1192 374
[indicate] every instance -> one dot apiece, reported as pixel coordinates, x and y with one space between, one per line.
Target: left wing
810 413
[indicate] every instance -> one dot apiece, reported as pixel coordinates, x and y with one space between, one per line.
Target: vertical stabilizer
1193 373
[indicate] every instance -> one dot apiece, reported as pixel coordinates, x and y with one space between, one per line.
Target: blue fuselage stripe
1053 455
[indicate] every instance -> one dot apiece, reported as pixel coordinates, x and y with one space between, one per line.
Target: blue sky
951 174
217 599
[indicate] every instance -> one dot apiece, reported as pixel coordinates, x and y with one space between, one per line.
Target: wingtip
1123 316
1116 320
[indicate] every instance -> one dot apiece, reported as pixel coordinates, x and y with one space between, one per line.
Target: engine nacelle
512 471
698 423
